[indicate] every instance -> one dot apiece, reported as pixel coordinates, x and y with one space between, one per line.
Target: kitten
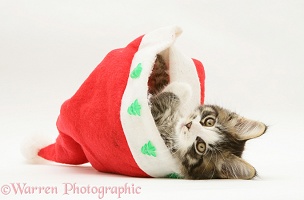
210 141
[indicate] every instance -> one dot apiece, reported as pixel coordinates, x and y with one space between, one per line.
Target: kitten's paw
182 90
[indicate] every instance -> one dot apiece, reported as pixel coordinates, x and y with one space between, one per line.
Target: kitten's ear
234 167
246 129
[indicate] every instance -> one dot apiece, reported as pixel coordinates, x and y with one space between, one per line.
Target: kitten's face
211 141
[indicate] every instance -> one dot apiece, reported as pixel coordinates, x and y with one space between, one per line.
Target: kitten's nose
188 125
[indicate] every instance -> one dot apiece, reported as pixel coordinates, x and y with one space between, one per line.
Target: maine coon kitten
210 141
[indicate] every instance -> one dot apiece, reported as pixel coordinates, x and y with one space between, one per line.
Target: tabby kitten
210 141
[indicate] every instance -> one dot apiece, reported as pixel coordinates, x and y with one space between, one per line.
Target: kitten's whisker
214 166
220 151
208 162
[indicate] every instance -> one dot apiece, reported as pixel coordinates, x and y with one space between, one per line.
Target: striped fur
210 141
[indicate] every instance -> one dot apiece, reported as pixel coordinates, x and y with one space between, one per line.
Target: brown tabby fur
224 140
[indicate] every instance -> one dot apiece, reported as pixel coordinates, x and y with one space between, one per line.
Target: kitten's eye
201 147
209 122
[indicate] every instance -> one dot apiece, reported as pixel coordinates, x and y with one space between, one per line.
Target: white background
253 57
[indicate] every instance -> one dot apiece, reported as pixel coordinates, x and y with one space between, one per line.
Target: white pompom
30 147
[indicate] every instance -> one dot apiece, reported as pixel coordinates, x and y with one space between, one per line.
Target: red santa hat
108 121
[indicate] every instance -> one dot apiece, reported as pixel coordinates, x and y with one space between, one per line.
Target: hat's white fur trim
139 130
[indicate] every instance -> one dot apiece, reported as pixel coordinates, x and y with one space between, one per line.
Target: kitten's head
211 141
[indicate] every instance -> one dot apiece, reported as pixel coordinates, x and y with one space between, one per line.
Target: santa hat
108 121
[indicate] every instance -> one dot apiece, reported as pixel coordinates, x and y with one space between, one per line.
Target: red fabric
201 75
89 123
